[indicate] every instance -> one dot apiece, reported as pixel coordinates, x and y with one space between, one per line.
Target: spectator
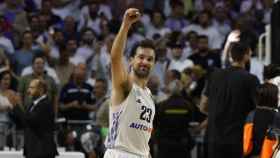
85 52
64 68
171 75
38 63
70 28
75 98
271 74
178 62
174 116
100 95
262 118
162 63
100 63
5 42
91 19
229 97
6 27
192 41
48 70
4 61
15 15
103 10
156 28
222 21
66 8
23 57
204 57
176 21
205 27
6 94
35 26
38 122
58 40
71 47
46 10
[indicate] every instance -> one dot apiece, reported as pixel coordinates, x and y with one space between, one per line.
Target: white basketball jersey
131 126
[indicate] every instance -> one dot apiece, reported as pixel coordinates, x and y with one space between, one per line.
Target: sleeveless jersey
132 124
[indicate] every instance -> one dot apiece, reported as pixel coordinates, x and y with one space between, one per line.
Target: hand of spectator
131 16
13 98
46 49
233 36
75 104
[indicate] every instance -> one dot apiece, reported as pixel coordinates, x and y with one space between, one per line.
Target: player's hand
131 16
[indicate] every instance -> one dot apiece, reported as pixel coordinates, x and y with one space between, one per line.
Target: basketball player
132 108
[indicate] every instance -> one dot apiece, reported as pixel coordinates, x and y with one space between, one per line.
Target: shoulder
87 86
49 79
68 86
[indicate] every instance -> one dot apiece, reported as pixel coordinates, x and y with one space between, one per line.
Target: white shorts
113 153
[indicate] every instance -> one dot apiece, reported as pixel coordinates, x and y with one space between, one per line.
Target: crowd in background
67 43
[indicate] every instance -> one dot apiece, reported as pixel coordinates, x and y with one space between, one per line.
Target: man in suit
38 122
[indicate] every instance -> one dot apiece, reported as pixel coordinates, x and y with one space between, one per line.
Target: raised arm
120 82
232 37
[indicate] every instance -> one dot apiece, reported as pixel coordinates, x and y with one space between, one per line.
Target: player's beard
142 72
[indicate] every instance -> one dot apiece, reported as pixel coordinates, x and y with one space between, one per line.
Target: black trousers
216 150
167 151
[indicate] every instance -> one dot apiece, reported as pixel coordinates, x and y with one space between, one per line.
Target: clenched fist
131 16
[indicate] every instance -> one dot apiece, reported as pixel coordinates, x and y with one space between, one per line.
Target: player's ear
131 60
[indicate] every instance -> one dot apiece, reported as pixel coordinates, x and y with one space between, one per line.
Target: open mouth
144 68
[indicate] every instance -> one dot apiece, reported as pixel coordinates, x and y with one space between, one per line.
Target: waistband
133 155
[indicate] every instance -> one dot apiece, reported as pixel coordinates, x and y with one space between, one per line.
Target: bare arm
204 104
120 82
232 37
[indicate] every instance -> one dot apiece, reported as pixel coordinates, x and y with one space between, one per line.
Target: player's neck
140 82
239 64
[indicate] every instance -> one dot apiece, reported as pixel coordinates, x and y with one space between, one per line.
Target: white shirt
106 10
7 45
84 53
93 24
180 65
256 68
4 103
50 71
214 38
71 9
276 81
35 102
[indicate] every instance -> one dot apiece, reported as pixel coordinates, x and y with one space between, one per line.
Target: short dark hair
267 95
207 12
176 74
270 71
239 50
104 81
146 43
39 55
3 73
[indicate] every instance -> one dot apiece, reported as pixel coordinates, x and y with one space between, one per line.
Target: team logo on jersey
142 127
